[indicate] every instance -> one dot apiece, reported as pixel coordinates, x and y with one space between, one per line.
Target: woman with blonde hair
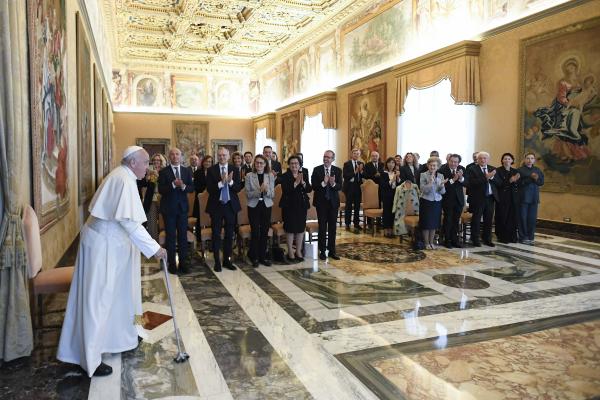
430 206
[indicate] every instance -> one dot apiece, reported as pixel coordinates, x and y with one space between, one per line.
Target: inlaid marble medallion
461 281
527 269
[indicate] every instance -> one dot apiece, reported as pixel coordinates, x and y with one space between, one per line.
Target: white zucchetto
131 149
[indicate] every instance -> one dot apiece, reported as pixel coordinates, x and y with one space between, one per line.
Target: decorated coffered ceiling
218 36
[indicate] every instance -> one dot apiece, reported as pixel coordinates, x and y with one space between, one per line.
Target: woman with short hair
430 206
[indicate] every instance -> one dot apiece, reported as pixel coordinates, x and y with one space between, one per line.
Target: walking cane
181 355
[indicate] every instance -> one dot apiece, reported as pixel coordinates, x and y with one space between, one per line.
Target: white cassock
105 295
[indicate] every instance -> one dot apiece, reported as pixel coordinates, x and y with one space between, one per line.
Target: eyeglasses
259 162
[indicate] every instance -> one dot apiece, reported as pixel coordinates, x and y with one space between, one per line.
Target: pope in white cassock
105 295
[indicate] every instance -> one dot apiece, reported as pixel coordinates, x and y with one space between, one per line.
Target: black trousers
353 197
223 213
327 216
485 209
176 231
260 221
450 223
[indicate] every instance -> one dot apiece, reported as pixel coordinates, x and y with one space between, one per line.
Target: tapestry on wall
50 139
290 135
560 106
85 142
366 113
191 137
98 124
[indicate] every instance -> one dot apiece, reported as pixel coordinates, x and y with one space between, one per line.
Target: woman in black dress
409 171
294 206
506 180
387 189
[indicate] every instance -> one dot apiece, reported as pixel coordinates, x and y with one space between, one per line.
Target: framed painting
85 156
290 135
560 107
190 93
366 120
154 146
106 138
229 144
191 137
98 126
50 137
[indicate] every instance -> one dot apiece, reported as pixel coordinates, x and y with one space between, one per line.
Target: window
432 121
315 140
262 141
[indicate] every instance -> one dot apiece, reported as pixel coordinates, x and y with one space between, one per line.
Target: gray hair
483 153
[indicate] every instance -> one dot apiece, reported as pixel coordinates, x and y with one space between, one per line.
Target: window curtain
459 65
16 336
325 105
266 121
315 139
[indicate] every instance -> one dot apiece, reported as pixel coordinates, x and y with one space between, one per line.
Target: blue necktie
225 188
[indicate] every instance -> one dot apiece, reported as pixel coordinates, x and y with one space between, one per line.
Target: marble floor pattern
387 322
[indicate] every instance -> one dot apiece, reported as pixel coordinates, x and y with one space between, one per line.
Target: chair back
242 218
161 223
276 215
342 196
311 214
370 194
191 197
33 242
204 216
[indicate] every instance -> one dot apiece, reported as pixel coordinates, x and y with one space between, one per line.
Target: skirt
430 213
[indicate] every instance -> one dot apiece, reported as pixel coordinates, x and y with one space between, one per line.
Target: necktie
327 187
489 187
177 176
225 188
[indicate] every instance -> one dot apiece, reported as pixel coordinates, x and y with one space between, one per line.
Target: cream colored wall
498 120
129 126
57 238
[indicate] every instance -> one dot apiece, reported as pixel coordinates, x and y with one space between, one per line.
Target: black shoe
103 370
334 256
448 245
322 256
291 260
183 269
266 263
217 267
172 269
254 263
299 259
457 245
489 243
227 264
140 339
476 244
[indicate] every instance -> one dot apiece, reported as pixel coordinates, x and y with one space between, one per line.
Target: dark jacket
371 171
454 196
319 191
293 196
529 189
348 173
213 177
407 175
174 200
477 185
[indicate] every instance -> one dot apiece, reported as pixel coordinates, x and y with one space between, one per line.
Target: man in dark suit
482 197
274 166
304 170
326 182
247 165
223 184
174 184
194 164
453 201
353 175
374 168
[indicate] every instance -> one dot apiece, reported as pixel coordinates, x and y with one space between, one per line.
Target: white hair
483 153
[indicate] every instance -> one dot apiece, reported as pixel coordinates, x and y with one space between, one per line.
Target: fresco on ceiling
189 93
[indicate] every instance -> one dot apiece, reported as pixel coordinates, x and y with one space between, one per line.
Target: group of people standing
438 189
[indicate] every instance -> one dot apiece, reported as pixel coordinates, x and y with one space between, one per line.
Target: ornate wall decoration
560 121
85 140
290 135
190 93
367 120
50 138
191 137
302 74
146 90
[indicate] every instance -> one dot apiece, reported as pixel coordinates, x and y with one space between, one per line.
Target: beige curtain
266 121
16 337
326 105
463 73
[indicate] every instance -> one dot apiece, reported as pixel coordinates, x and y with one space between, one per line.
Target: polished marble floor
384 322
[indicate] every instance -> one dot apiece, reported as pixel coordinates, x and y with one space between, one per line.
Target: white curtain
433 122
315 140
262 141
